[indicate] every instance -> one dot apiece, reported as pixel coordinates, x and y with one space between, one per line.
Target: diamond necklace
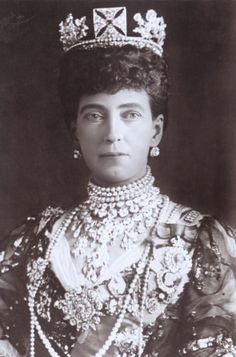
123 214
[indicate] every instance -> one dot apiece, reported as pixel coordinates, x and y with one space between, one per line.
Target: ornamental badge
82 309
171 265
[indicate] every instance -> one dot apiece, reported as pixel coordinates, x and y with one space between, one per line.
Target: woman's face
115 132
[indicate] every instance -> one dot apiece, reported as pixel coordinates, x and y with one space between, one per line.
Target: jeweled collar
121 193
110 213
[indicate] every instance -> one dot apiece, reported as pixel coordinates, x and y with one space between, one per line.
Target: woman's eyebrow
101 107
90 106
130 105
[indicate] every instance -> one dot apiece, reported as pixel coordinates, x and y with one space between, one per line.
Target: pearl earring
155 151
77 154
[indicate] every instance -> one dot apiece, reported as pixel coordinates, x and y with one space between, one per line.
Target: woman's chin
116 175
112 178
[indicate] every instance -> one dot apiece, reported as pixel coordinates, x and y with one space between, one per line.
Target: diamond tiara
110 30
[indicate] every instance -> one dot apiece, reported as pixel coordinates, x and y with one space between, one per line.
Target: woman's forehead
122 99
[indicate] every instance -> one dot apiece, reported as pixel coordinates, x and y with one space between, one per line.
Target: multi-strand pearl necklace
123 214
124 193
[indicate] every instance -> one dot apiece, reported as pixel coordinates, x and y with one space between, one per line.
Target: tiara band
110 30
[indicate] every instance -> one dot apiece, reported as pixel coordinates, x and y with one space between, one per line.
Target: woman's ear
157 127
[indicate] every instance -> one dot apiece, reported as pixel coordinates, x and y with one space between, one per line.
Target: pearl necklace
100 194
140 269
124 213
34 284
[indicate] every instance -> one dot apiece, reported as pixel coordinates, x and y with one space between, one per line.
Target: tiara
110 30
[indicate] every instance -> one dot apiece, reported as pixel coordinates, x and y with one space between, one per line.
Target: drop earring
77 154
155 151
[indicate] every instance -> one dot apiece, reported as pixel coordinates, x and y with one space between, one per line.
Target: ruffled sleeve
15 252
210 297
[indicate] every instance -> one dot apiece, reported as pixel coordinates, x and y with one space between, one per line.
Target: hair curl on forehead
87 72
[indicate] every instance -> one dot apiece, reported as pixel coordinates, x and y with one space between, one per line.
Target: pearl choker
121 193
121 200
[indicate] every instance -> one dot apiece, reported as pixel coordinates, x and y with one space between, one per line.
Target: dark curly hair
87 72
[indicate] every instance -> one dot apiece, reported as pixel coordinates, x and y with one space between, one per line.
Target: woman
127 272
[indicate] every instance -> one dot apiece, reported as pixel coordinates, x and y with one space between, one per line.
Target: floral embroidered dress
133 276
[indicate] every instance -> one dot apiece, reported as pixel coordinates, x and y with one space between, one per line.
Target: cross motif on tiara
110 21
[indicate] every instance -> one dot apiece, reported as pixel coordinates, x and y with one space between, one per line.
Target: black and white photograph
117 180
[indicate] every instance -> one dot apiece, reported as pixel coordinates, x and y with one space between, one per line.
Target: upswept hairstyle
87 72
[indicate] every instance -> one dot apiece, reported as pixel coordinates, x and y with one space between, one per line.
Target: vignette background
197 163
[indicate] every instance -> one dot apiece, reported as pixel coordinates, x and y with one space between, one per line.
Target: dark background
196 166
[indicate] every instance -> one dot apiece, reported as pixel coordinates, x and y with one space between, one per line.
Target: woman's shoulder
196 228
176 213
178 220
34 223
17 244
21 246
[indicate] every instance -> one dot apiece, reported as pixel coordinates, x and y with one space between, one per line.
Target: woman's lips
113 154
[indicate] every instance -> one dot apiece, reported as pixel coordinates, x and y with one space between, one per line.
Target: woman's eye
93 116
132 115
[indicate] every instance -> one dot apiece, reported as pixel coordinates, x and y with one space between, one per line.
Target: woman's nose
113 129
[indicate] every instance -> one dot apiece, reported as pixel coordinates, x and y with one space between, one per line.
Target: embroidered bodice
126 273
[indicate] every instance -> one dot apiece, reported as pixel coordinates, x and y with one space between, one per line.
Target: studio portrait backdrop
196 166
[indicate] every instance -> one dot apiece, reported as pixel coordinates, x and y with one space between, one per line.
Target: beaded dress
126 273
